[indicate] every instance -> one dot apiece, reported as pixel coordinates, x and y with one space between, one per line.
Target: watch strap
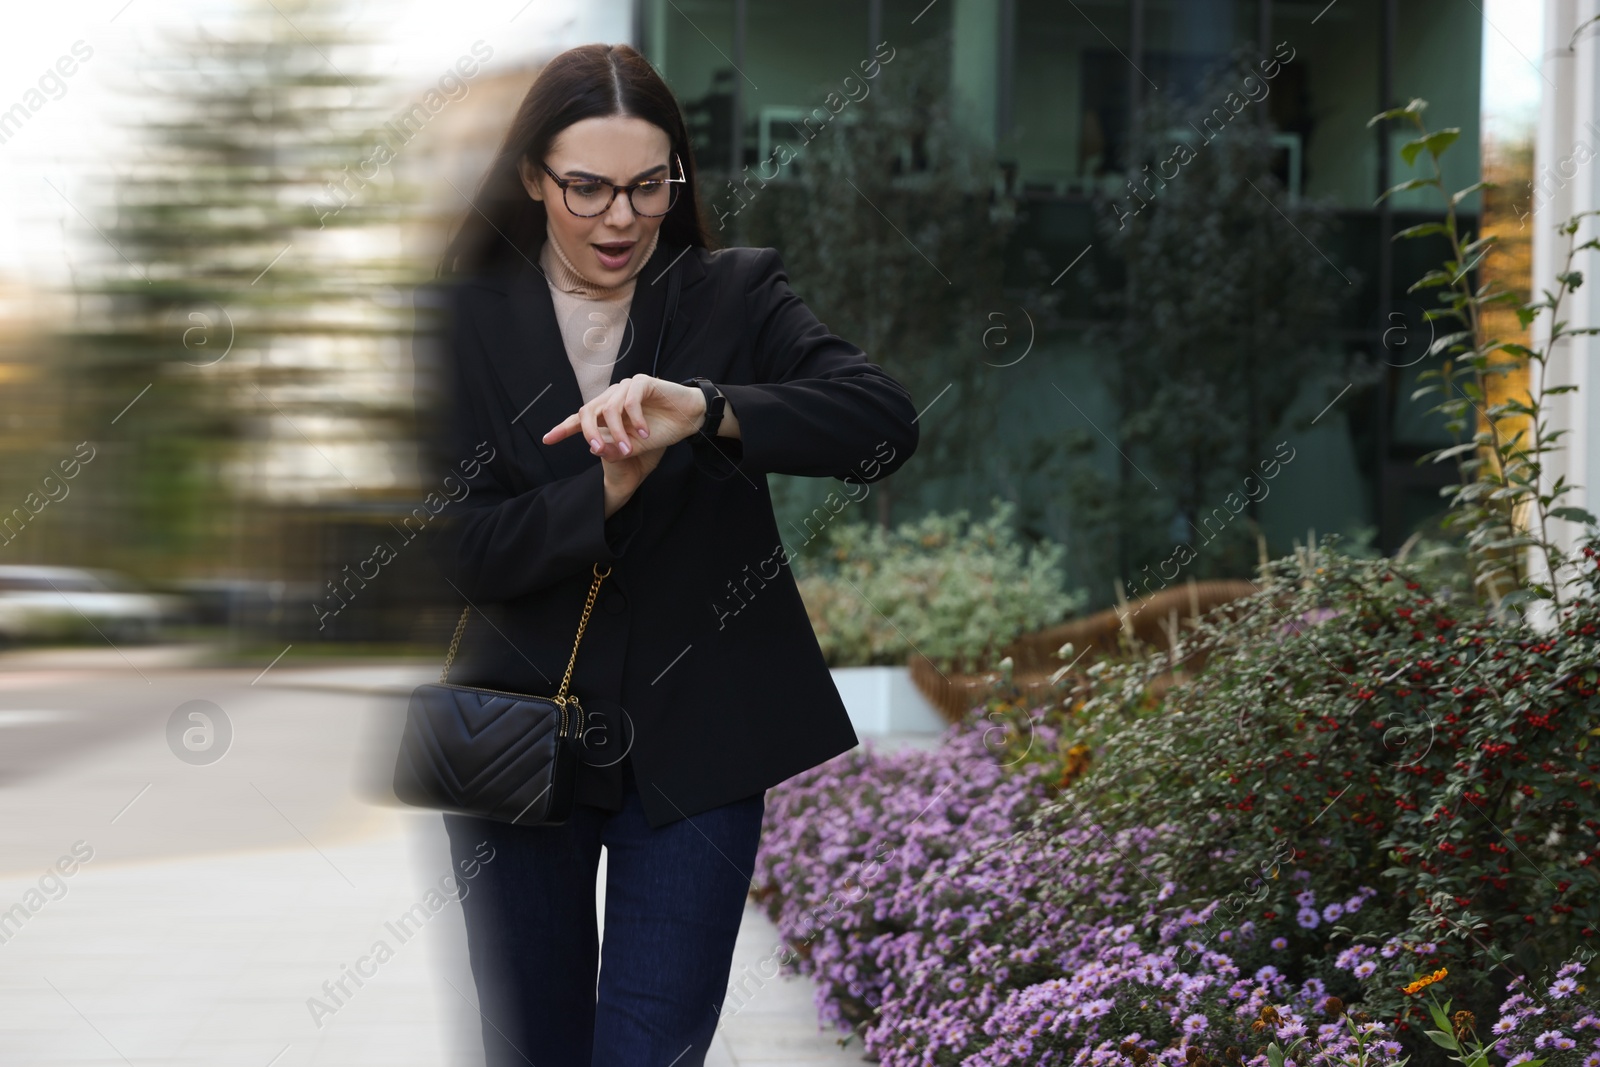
714 403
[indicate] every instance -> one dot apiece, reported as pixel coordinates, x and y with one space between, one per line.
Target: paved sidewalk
221 904
213 960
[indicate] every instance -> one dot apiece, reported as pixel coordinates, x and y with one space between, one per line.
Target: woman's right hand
625 475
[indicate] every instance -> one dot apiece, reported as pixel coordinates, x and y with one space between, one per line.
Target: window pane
1071 92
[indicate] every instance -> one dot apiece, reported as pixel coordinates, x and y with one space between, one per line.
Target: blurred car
59 603
247 603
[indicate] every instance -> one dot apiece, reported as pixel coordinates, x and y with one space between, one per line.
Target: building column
650 32
736 123
975 77
1566 179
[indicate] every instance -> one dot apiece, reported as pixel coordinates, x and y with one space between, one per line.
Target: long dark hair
590 81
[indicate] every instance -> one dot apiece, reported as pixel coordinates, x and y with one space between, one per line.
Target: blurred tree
231 354
1507 214
1220 323
893 226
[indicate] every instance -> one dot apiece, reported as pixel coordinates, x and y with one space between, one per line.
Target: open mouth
614 254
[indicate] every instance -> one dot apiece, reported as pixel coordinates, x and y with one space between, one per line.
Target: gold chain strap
588 605
454 641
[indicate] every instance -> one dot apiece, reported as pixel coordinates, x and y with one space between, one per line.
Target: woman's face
620 149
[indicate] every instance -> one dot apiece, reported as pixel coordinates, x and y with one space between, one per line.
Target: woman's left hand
638 414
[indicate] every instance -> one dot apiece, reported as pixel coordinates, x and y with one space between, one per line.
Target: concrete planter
883 700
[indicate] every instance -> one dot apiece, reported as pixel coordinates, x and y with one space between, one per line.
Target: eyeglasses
588 197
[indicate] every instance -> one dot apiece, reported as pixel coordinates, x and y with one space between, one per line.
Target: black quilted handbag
511 757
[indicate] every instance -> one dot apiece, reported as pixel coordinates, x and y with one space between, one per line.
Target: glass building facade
1053 87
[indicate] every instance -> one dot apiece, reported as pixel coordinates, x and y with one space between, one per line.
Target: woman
562 380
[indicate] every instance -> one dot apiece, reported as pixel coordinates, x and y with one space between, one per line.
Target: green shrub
948 588
1361 730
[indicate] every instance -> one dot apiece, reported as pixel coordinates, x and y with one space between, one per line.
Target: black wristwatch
714 403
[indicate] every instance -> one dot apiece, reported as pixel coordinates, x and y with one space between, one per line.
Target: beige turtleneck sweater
593 317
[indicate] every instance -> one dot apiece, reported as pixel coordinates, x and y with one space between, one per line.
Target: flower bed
936 919
1309 886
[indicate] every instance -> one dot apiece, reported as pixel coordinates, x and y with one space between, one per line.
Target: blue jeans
674 899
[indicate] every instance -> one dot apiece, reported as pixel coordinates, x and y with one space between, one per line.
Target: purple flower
1365 969
1563 987
1306 898
1353 905
1504 1026
1307 918
1545 1039
1280 943
1332 912
1195 1024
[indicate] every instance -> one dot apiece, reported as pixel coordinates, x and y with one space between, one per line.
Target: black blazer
699 661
